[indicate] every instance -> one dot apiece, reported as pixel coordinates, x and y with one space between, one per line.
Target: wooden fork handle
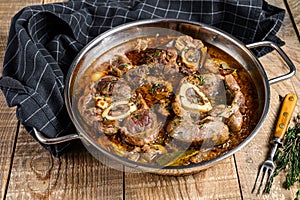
286 112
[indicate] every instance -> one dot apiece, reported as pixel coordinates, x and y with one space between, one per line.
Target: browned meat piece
210 84
151 152
105 85
111 86
173 76
118 113
235 105
120 64
156 70
171 57
140 128
155 91
157 63
140 102
110 117
89 115
239 98
86 106
213 131
166 71
198 93
211 66
223 67
171 69
121 90
235 121
111 114
91 108
107 127
147 56
231 83
137 76
186 41
192 52
213 85
190 100
223 111
113 144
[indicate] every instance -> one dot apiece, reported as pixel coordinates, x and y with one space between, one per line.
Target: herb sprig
288 159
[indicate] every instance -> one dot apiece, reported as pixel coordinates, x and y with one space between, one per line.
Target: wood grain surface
8 121
35 174
212 183
28 171
76 175
249 158
294 7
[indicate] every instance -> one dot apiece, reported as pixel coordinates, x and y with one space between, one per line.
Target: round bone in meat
205 107
131 107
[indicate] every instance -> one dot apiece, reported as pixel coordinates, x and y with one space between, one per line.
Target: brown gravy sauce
167 101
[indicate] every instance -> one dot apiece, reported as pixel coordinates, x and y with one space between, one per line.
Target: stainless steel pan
208 34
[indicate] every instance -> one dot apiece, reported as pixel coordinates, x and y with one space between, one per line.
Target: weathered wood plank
53 1
251 157
294 6
8 131
248 160
36 174
8 121
217 182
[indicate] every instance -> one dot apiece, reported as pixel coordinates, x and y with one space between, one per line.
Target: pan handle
57 140
288 62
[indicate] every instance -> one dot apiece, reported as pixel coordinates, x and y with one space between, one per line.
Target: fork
268 167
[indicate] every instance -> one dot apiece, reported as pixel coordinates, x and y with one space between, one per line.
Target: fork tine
257 178
268 167
269 179
262 180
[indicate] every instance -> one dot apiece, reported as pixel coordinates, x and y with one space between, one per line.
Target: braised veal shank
167 100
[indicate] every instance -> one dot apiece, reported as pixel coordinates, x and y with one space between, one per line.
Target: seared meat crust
156 96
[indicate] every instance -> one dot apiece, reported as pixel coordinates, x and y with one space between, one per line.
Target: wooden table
27 171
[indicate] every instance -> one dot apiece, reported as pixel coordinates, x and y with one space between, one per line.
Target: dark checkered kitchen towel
44 39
